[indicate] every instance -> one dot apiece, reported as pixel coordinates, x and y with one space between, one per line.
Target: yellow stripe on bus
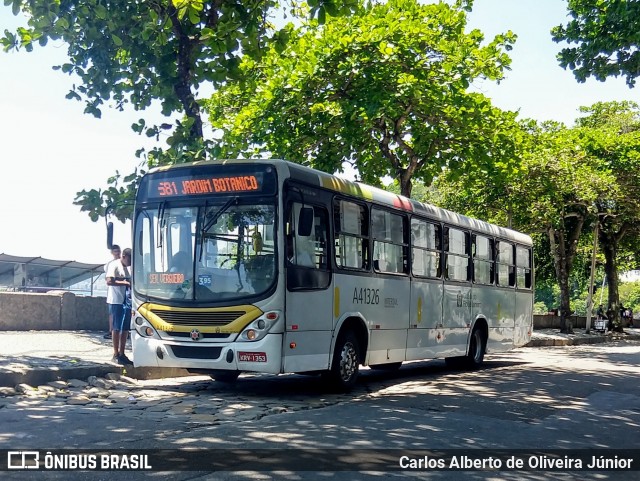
251 313
346 187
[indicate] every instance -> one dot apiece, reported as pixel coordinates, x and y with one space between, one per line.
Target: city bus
267 266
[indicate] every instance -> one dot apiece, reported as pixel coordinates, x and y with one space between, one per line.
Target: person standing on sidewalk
115 252
119 277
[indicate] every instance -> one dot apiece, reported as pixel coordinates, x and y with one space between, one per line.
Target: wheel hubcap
348 362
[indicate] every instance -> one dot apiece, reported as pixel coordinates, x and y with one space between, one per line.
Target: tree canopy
385 90
607 35
131 52
615 139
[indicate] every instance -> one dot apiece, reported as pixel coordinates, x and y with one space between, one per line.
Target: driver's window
307 250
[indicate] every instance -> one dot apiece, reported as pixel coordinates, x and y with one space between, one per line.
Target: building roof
43 272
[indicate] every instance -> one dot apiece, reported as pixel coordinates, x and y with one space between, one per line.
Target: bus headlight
260 327
144 328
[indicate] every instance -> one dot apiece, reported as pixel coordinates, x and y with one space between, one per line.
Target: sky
50 149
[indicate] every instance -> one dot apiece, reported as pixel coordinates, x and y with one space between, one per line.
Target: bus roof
366 192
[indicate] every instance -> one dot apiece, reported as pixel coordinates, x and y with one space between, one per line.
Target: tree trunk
406 185
185 66
610 248
561 264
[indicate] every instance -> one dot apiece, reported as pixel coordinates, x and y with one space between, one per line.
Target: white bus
272 267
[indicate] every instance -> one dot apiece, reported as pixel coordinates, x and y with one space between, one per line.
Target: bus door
425 337
457 302
388 314
309 297
501 331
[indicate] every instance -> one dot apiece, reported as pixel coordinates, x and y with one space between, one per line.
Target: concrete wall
55 310
553 322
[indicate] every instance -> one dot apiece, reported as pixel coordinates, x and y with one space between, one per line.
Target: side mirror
305 221
109 235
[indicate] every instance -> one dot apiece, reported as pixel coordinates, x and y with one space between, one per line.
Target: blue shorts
121 317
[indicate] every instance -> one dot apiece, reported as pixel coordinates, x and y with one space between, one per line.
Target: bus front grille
194 318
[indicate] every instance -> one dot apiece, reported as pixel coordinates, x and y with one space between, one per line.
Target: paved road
534 398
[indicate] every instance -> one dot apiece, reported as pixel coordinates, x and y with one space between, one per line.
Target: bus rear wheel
475 356
477 349
346 363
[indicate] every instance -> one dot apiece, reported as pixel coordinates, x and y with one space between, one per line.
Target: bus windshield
214 251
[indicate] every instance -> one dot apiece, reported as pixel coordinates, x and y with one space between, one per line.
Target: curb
575 341
36 377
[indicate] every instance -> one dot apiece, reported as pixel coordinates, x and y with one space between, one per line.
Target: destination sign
165 278
195 182
209 185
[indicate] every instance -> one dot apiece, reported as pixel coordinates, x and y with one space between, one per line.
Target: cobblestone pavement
179 397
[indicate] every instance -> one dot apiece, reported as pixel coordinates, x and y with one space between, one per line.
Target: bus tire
391 366
346 363
225 376
477 349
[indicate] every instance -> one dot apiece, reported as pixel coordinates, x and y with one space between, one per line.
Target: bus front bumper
260 356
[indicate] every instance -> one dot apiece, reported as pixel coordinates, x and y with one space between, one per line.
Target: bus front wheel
346 363
225 376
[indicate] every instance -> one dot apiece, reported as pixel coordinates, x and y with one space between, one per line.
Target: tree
607 35
132 52
614 137
385 90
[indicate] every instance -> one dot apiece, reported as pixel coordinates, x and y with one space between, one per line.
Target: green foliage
607 36
630 295
540 308
135 53
548 293
384 90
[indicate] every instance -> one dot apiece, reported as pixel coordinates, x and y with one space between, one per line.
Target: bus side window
504 264
483 268
426 247
352 235
389 241
457 254
523 267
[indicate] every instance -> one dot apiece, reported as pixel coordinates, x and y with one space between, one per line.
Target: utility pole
593 271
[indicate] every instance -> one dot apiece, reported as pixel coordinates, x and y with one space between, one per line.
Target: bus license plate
252 356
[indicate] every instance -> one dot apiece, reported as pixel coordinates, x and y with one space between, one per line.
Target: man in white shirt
115 252
119 277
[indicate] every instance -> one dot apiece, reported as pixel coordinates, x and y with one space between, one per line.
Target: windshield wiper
214 218
161 224
201 219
